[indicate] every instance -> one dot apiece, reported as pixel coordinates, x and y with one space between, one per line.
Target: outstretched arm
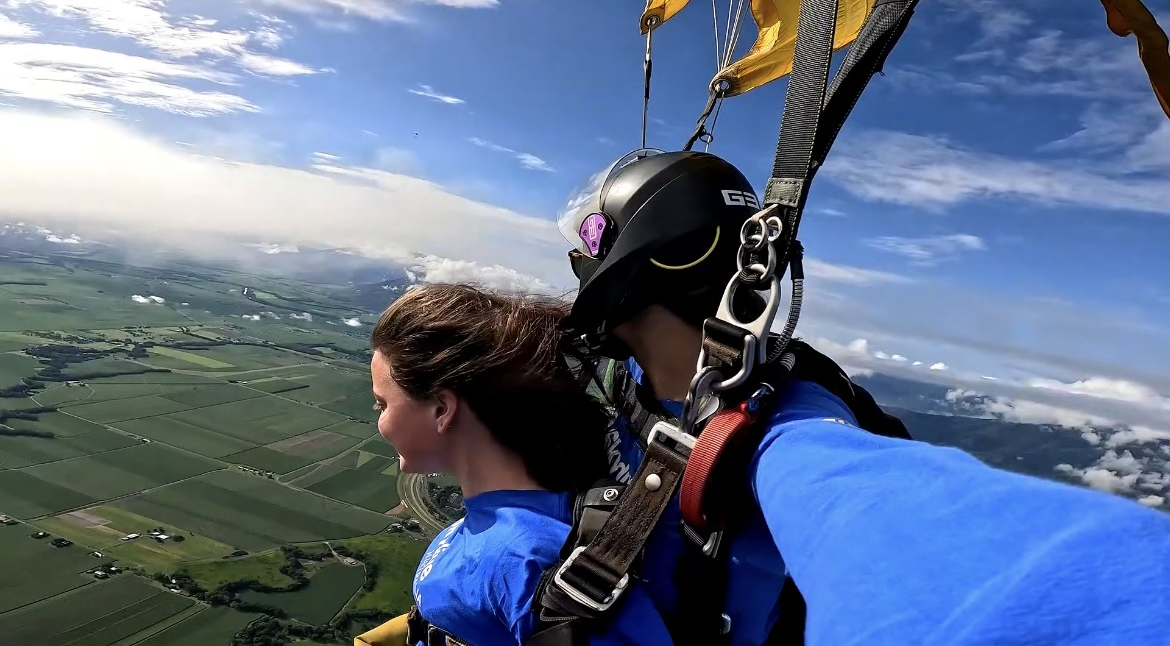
900 542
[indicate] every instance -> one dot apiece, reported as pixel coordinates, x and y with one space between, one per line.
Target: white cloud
10 28
93 79
273 65
831 273
532 162
1102 479
938 366
432 269
928 251
1119 389
933 172
352 322
147 23
93 168
527 160
430 93
150 25
379 10
1125 473
1137 435
997 20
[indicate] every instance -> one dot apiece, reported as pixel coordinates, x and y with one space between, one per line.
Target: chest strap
419 630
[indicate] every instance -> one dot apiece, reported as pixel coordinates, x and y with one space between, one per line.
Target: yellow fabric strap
391 633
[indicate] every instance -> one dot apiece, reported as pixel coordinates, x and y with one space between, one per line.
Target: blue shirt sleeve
900 542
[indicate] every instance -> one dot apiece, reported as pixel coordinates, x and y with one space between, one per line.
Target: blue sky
997 203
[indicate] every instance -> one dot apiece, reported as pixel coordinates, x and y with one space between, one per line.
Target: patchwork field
251 512
186 436
14 367
316 603
124 471
241 446
259 420
396 560
189 357
263 568
317 445
100 614
103 527
266 459
23 451
34 569
208 627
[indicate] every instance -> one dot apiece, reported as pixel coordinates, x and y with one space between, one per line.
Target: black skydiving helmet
654 227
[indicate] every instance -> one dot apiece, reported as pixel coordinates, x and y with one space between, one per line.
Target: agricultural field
101 614
34 569
208 627
103 527
321 444
264 568
396 559
26 450
125 417
328 590
266 459
252 512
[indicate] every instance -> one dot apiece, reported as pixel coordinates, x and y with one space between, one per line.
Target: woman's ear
446 406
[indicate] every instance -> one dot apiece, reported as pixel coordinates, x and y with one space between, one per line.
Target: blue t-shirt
478 578
877 533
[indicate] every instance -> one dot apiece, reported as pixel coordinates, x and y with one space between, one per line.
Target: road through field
412 489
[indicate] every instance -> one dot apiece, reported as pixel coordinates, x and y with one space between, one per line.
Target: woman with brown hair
477 385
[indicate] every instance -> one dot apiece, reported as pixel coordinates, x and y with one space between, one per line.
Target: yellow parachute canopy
770 57
1127 17
659 11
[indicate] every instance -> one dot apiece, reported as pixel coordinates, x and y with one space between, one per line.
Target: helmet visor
580 219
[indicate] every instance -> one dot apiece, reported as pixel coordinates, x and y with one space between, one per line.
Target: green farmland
174 438
316 603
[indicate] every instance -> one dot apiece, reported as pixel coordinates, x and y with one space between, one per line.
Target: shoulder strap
591 509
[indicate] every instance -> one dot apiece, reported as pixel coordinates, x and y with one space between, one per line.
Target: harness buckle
709 545
581 597
684 443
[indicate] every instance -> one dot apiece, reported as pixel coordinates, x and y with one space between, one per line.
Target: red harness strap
717 441
714 444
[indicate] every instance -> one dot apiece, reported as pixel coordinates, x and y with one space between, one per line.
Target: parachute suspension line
719 87
647 67
715 28
732 37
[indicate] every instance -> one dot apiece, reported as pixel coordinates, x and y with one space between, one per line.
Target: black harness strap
419 630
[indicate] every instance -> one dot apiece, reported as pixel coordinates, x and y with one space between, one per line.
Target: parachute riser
802 147
729 340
